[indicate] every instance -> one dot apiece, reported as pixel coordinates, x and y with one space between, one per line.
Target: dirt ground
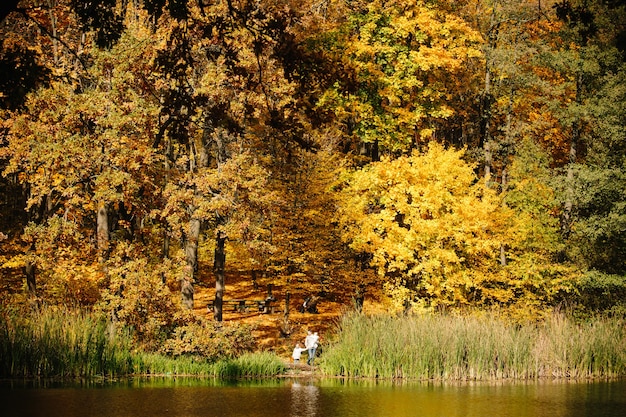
269 327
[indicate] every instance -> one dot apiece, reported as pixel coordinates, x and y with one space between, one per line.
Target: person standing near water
311 344
308 344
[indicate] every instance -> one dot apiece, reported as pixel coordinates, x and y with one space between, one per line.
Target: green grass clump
157 364
470 348
260 364
253 365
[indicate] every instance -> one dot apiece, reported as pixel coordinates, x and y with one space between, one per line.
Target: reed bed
62 343
470 348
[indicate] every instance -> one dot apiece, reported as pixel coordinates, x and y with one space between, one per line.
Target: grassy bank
60 343
464 348
249 365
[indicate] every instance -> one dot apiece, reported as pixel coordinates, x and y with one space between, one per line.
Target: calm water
307 398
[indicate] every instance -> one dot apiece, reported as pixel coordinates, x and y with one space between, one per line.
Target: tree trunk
186 287
165 247
55 40
198 159
102 231
255 284
218 268
487 100
30 271
505 179
359 297
219 138
566 222
486 123
166 178
191 269
31 285
285 329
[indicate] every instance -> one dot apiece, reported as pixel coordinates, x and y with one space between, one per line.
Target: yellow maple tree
432 229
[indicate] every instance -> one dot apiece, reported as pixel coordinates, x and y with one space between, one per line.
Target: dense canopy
458 155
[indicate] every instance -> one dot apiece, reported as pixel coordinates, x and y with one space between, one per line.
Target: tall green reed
460 348
61 343
68 343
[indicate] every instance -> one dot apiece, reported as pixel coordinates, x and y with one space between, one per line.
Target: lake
185 397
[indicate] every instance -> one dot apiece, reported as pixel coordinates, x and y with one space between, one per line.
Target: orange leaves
76 149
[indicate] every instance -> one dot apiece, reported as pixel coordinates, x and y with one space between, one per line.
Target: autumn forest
459 156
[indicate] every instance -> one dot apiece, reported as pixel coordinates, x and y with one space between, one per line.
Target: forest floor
274 331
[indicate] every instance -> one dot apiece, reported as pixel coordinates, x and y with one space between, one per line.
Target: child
297 351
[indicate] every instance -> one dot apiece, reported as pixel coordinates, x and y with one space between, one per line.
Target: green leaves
599 232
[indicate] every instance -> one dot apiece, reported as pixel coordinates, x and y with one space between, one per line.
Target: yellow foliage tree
84 154
405 56
432 229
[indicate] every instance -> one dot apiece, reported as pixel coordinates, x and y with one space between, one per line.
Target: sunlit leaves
239 115
232 197
426 221
83 146
77 150
403 55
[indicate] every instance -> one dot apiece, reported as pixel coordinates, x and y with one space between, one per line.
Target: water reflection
304 399
311 397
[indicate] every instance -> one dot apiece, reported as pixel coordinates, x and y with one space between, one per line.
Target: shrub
137 295
210 340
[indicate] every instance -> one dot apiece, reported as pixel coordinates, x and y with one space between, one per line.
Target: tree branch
52 36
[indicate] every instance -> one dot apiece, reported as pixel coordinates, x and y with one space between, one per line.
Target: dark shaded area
6 7
20 73
100 17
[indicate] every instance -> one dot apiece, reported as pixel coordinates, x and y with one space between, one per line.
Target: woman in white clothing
311 344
